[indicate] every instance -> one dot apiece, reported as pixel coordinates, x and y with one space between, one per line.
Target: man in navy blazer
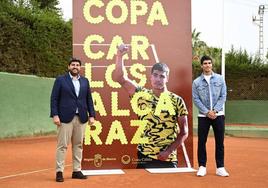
71 108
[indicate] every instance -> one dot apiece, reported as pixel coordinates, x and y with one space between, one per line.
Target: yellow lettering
124 11
164 103
139 45
87 45
94 134
135 74
138 138
117 40
88 75
142 109
98 104
108 77
115 110
116 132
86 11
135 11
157 13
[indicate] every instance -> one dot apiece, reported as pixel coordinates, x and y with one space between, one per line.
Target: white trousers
70 132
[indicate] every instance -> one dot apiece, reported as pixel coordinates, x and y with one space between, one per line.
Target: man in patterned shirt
166 129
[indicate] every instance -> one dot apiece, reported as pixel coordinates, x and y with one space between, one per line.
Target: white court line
26 173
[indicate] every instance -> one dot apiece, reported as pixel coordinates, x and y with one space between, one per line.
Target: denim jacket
201 96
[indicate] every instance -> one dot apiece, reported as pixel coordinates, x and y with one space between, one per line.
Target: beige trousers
70 132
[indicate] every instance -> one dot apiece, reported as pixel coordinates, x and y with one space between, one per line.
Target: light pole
223 44
223 48
259 21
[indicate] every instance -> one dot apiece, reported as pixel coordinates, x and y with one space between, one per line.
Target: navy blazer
64 102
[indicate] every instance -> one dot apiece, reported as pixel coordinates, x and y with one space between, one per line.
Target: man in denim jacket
209 96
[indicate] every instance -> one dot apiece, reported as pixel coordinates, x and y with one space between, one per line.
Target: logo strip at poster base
102 172
169 170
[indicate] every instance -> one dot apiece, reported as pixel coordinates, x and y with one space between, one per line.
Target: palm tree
199 47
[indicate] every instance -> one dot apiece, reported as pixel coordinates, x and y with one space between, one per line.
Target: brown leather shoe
59 177
78 175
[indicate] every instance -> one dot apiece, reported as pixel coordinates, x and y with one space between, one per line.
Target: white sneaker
222 172
202 171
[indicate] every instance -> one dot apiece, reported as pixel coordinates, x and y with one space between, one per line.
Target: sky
222 23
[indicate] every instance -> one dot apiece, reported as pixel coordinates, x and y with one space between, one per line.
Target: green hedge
36 42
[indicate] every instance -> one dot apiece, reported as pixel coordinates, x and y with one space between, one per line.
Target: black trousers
146 162
217 124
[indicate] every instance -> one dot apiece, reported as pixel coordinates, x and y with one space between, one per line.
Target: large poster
156 31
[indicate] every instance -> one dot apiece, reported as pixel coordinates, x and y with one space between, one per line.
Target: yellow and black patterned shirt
162 126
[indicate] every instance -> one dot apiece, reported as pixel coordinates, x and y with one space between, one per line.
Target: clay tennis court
29 163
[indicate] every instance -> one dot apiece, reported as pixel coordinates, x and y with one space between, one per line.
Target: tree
198 46
47 4
33 41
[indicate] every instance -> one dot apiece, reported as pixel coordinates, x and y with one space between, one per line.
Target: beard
74 73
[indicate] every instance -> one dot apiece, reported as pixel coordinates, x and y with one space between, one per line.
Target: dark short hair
205 58
73 59
160 67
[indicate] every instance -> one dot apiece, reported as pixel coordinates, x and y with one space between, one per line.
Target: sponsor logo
125 159
97 160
